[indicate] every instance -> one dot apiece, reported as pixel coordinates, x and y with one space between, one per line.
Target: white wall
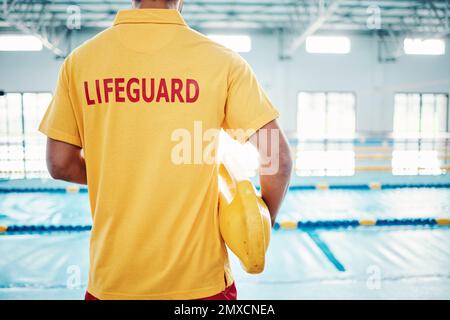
373 83
360 72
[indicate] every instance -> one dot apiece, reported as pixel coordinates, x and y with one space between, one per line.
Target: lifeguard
120 98
141 90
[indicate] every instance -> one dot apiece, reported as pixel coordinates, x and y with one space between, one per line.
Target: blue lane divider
38 190
369 141
292 188
402 186
368 187
43 228
285 225
336 224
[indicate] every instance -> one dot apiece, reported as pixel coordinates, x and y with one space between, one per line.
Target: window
330 45
20 43
22 147
424 46
326 115
420 115
419 122
238 43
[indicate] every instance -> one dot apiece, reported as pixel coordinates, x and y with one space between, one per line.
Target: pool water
362 204
73 208
374 262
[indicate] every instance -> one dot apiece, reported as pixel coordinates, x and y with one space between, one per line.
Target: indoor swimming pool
341 105
328 262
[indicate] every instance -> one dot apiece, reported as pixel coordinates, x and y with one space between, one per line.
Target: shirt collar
155 16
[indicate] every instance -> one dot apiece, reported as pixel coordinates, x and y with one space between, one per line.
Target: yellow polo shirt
133 98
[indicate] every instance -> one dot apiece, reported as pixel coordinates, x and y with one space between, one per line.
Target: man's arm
276 165
65 162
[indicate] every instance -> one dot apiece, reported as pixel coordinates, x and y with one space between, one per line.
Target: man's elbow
286 164
57 170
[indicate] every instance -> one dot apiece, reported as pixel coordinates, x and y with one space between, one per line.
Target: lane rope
319 186
284 225
339 224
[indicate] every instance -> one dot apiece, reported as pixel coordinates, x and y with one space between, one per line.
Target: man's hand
65 162
276 165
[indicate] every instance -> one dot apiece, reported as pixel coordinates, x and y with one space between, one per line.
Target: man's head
158 4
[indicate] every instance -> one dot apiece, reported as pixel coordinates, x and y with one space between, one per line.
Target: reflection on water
325 163
420 157
400 157
416 163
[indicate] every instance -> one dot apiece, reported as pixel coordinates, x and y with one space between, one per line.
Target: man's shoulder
192 39
211 47
97 43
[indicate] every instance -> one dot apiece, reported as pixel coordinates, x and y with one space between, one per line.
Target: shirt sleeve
59 122
248 108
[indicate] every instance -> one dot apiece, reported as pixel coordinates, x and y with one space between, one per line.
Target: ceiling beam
49 38
313 27
299 16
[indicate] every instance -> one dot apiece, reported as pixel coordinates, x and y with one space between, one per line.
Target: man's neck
155 4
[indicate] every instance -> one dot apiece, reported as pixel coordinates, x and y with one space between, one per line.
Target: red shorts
229 293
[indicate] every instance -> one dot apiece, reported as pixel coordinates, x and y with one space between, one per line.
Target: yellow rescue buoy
244 220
